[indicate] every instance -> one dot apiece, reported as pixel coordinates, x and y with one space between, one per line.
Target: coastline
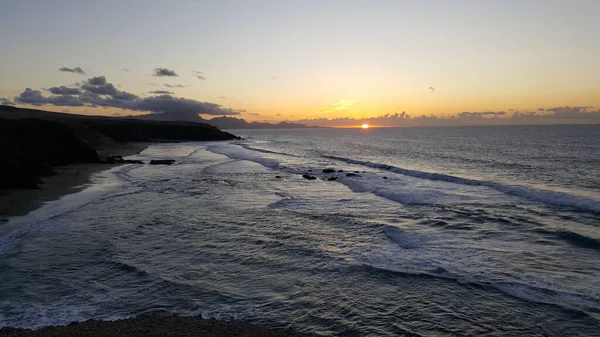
149 326
68 179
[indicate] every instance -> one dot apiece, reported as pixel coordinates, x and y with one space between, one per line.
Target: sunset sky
304 60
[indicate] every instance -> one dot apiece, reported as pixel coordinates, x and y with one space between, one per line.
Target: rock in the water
328 170
277 177
120 160
356 171
309 177
162 162
332 178
352 175
385 177
340 170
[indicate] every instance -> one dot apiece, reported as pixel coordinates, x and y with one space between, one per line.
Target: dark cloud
253 114
99 85
75 70
223 97
6 101
35 97
62 90
164 72
161 92
98 92
126 69
199 75
174 85
541 109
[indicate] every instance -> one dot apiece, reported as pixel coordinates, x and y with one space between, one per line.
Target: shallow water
475 231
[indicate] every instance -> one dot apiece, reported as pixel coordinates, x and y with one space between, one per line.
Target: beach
67 180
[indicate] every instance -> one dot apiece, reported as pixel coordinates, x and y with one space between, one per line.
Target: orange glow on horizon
365 126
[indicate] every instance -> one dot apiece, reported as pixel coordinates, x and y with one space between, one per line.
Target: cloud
164 72
341 105
6 101
175 85
161 92
75 70
253 114
479 115
571 112
98 92
62 90
198 74
35 97
223 97
126 69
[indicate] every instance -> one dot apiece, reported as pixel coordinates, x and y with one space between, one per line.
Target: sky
325 62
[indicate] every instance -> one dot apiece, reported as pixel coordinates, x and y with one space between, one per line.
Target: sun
365 126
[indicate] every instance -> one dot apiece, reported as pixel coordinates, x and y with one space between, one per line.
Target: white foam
540 195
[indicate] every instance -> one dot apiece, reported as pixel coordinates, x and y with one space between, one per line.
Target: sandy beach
68 179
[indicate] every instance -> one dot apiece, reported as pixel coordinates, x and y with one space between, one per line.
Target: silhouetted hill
220 122
32 141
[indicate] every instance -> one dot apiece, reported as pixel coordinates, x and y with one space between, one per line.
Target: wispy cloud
76 70
160 72
198 74
161 92
341 105
175 85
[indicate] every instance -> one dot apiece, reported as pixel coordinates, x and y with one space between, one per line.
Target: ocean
419 232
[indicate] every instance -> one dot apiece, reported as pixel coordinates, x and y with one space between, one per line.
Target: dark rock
162 162
332 178
309 177
385 177
328 170
356 171
277 177
352 175
120 160
340 170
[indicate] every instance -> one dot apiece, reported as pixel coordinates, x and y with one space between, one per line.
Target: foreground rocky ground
150 326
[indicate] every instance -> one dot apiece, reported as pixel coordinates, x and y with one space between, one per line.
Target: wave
573 238
248 147
538 195
423 254
9 242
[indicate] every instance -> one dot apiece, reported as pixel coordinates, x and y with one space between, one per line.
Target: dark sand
69 179
151 326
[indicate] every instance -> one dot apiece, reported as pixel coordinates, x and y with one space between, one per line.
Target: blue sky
275 60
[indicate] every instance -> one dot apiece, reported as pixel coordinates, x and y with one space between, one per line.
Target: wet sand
149 326
69 179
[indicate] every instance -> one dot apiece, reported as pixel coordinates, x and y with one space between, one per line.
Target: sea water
436 231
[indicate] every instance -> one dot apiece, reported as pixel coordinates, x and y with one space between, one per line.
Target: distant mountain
220 122
239 123
173 117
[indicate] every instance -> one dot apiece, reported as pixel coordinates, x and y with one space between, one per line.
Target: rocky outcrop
162 162
309 177
120 160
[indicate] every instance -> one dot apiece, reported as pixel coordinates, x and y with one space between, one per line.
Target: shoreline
67 180
151 326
